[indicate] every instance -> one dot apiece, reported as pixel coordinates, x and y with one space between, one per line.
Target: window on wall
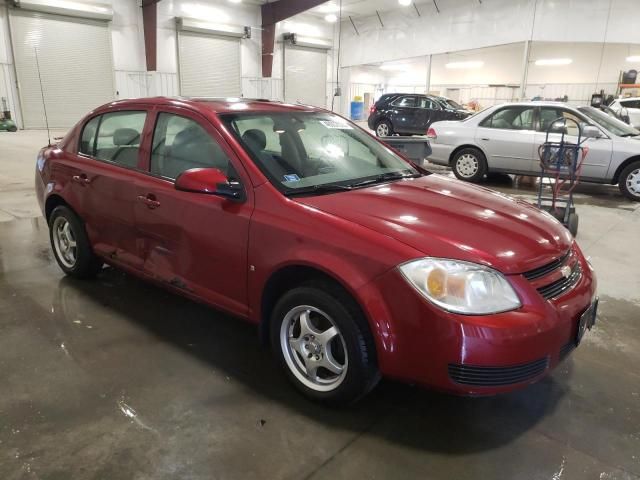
513 118
119 136
180 144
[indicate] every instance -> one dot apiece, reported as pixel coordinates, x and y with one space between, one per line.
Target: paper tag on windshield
336 125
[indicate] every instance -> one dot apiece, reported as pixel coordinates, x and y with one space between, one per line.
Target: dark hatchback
410 114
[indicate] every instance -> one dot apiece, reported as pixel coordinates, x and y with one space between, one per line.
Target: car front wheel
469 164
630 181
322 341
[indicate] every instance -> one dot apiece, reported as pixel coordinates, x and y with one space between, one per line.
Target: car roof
542 103
217 105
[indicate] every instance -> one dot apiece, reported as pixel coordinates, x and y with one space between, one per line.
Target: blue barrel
357 110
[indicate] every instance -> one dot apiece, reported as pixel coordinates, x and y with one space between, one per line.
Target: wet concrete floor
117 379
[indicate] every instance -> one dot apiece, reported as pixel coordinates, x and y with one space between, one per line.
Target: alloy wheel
314 348
633 182
383 130
467 165
64 241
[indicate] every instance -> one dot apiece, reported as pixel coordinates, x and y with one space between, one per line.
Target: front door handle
485 139
82 179
149 200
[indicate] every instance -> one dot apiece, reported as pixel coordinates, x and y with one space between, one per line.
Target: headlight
461 287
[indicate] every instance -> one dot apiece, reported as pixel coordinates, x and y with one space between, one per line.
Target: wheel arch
622 166
54 200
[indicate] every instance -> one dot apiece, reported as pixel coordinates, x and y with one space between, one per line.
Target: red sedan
354 262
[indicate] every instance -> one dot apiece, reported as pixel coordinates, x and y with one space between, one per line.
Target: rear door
405 114
193 241
507 138
598 150
108 162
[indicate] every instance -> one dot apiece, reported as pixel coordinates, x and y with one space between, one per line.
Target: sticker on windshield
291 178
336 125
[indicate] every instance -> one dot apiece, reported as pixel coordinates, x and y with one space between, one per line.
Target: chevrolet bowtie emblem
566 271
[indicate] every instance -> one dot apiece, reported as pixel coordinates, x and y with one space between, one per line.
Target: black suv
411 114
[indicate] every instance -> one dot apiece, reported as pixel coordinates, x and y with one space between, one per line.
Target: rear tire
573 224
384 128
319 324
70 244
469 164
629 182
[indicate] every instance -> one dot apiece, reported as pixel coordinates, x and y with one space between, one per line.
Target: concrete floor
114 378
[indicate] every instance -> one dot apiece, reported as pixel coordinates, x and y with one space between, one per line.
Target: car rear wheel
629 183
384 129
323 343
70 244
469 164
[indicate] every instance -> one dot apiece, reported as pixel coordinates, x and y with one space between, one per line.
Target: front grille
566 350
497 376
561 285
546 269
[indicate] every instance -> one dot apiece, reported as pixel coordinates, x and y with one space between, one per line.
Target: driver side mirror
209 181
591 131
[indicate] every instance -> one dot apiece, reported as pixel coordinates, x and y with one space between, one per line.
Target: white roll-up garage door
209 65
75 64
305 75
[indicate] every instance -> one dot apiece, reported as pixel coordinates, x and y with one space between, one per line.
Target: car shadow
402 414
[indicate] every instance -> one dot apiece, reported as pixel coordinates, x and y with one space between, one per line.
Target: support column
150 25
428 75
525 69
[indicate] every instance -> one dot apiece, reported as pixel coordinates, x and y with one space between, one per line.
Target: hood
444 217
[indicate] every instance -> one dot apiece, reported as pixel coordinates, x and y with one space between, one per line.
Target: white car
505 138
629 107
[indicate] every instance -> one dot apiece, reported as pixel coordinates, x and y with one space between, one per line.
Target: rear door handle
149 200
82 179
485 139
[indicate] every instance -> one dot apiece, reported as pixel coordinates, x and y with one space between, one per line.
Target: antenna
44 106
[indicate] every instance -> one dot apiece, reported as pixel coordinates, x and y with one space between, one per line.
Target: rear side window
514 118
119 136
180 144
405 102
88 139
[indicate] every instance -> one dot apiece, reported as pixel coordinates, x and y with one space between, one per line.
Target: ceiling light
633 58
331 18
405 3
235 1
329 8
475 64
545 62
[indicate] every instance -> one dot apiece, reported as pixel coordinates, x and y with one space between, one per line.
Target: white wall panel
137 84
76 66
305 75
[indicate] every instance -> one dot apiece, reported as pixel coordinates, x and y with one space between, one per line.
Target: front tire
629 183
70 244
469 164
323 343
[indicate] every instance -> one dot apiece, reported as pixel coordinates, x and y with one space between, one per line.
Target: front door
507 137
107 164
193 241
598 150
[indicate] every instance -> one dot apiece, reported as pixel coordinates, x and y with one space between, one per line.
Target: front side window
302 151
88 138
513 118
119 136
549 114
181 143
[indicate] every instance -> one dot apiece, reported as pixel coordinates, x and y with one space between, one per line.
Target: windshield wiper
326 188
386 177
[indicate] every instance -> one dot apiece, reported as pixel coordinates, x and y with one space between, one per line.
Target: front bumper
419 343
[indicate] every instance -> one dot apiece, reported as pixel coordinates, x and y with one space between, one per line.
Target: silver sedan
505 138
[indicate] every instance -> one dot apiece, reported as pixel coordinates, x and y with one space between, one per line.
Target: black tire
361 373
469 164
13 129
573 224
384 124
86 264
630 178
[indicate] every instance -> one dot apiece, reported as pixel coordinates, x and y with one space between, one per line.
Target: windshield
613 125
453 104
303 152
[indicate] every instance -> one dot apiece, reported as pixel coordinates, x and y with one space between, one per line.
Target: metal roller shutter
305 75
209 65
75 64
